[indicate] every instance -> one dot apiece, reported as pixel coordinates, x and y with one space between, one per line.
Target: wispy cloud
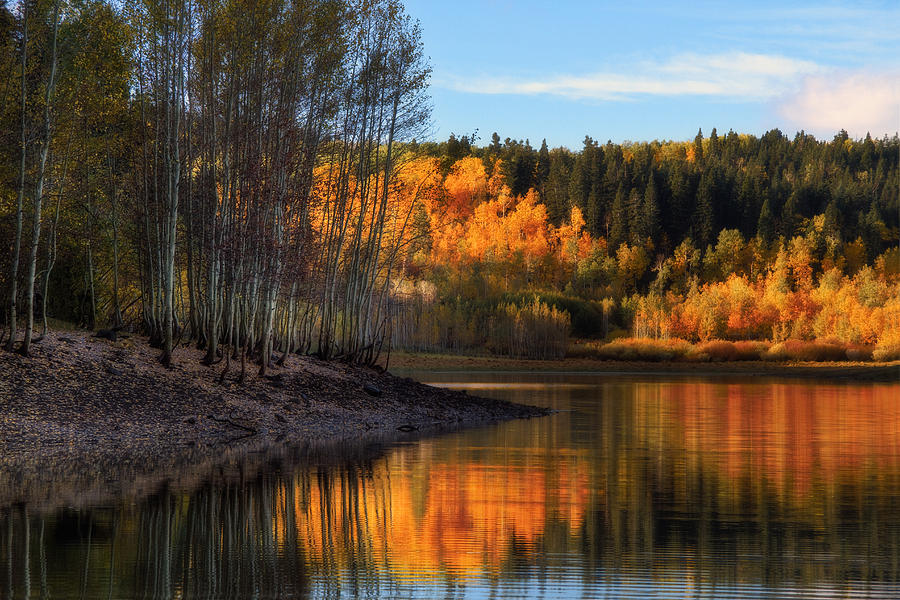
735 75
859 101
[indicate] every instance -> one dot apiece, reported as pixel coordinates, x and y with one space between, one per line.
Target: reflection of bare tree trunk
112 554
87 559
45 591
26 573
148 525
166 571
9 555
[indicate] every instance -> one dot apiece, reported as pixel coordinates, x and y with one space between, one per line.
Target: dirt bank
83 409
851 371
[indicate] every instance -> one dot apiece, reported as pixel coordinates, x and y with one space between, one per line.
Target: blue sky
659 70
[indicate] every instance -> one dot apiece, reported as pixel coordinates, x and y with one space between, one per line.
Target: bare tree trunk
14 269
39 191
174 100
51 244
117 311
92 322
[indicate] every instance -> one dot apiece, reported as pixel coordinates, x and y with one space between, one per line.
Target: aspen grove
183 146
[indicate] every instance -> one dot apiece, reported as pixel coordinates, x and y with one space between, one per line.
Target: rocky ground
85 413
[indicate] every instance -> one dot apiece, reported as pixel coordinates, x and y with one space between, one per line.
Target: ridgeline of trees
158 161
766 187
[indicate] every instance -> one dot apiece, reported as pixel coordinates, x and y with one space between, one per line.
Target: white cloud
734 75
859 102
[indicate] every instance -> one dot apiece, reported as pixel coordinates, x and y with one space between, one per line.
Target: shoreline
847 370
86 420
86 416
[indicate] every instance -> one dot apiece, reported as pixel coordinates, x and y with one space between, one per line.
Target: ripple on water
655 487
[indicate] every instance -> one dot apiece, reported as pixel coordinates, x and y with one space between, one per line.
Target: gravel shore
83 411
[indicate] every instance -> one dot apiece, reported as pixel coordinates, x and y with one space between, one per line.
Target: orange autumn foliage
499 229
416 183
480 239
860 309
465 187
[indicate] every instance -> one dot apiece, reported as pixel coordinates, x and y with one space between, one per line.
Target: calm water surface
637 487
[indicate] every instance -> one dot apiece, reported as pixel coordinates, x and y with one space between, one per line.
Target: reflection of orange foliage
788 436
461 519
464 511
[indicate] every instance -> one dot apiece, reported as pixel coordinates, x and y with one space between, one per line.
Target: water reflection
635 488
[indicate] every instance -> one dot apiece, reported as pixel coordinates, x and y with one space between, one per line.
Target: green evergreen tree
455 149
519 167
790 215
618 221
678 219
599 199
581 185
873 230
766 228
747 205
713 144
633 207
833 221
698 146
542 168
650 210
556 189
542 171
496 147
704 222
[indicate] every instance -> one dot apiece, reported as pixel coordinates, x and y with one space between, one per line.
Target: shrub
859 352
750 350
586 316
723 350
812 351
644 349
886 352
888 347
533 330
715 350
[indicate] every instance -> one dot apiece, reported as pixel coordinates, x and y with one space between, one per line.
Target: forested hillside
733 237
246 177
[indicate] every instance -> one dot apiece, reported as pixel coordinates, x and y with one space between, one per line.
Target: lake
651 486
